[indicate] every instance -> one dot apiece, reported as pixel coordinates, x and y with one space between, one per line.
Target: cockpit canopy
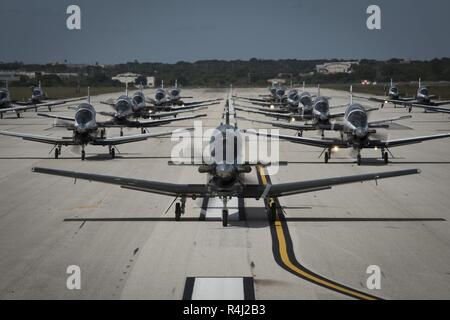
322 105
85 113
280 92
306 99
175 92
138 97
123 104
3 94
423 91
357 116
36 92
394 90
293 95
160 95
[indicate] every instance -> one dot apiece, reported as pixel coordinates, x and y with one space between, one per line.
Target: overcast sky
116 31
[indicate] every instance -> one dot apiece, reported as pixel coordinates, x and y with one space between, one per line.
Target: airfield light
336 149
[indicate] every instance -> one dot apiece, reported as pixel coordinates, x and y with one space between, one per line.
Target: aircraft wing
296 126
430 108
147 124
407 141
128 139
193 106
168 189
250 99
201 190
322 143
265 109
158 115
288 189
47 115
39 138
378 122
201 102
285 116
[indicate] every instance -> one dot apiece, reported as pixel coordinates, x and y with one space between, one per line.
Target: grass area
24 93
407 90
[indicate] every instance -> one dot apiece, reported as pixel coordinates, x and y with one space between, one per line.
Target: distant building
126 77
151 81
131 78
336 67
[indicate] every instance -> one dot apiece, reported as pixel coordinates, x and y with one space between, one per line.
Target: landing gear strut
327 156
358 158
112 152
272 211
180 207
225 212
121 131
83 153
57 152
385 156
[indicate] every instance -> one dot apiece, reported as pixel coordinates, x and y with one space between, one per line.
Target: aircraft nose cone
225 171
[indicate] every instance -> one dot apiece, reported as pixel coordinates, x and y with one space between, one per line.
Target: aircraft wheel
83 155
386 158
18 115
358 159
1 115
224 217
327 157
300 134
121 133
273 212
177 211
409 110
113 153
56 153
49 109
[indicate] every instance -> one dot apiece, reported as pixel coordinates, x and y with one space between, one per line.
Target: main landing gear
358 158
272 211
112 152
385 156
57 152
225 212
180 208
83 153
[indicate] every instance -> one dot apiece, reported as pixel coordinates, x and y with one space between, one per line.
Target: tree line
221 73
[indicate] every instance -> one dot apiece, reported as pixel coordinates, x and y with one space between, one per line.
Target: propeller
75 149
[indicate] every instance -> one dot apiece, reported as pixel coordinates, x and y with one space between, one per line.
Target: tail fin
126 88
162 84
303 86
351 94
392 83
176 83
89 95
420 82
318 90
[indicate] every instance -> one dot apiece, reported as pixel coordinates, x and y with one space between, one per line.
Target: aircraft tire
224 217
177 211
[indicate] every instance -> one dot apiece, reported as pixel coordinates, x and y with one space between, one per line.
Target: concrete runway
131 250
